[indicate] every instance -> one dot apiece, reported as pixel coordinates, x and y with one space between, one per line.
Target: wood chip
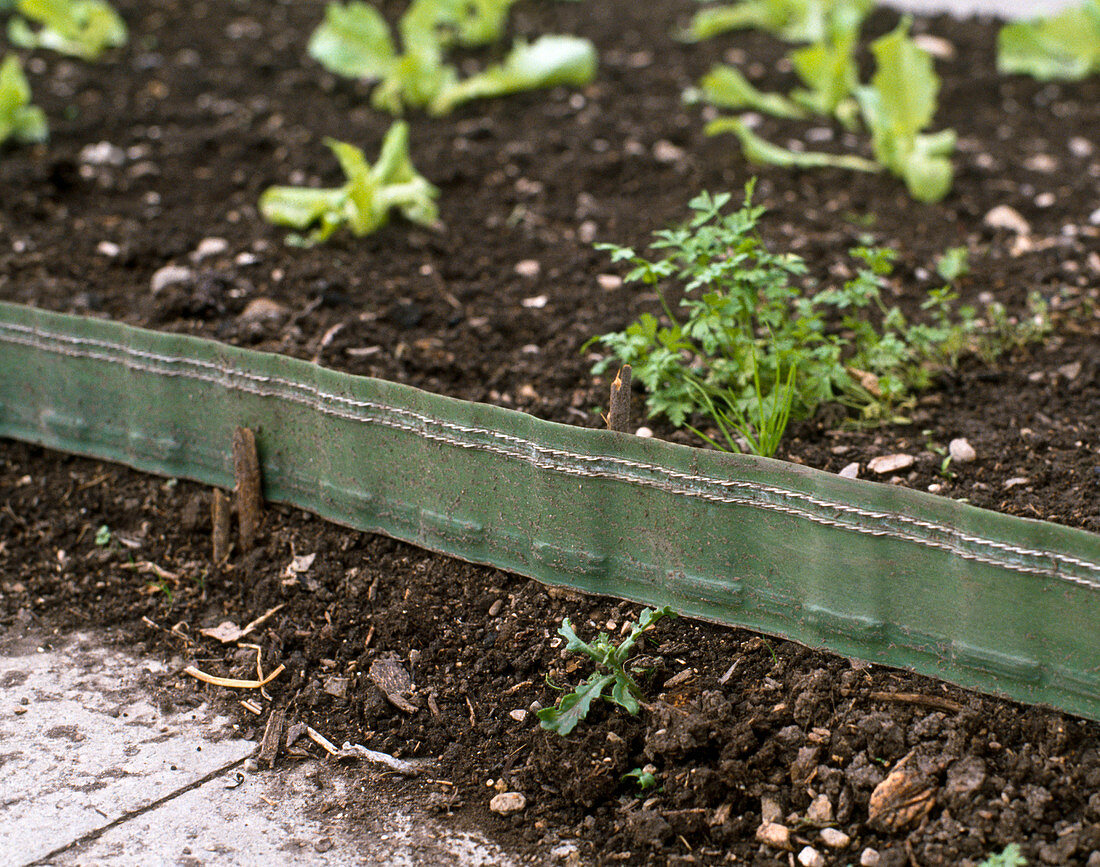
618 416
905 797
389 675
219 516
273 737
249 488
321 741
233 683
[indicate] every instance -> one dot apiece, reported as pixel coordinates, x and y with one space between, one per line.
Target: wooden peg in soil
219 516
618 416
250 502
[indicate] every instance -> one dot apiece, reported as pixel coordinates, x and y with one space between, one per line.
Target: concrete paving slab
93 770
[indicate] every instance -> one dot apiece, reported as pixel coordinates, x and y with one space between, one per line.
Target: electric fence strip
1001 604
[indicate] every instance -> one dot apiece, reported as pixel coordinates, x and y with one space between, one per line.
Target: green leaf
761 151
574 707
547 62
365 201
1064 46
354 41
19 119
828 69
714 20
905 81
726 87
82 28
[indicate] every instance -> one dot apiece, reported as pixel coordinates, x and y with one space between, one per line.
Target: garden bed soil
169 143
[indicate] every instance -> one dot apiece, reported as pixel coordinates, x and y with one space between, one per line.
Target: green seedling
645 777
611 672
354 40
19 120
830 75
896 106
748 349
81 28
760 151
791 20
103 536
726 87
549 61
1010 857
1064 46
954 264
364 203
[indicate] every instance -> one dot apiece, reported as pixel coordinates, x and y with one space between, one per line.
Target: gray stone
170 275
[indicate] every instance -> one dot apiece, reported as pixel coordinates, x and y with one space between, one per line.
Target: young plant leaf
365 201
19 120
574 707
828 69
549 61
1064 46
900 102
726 87
760 151
790 20
81 28
354 41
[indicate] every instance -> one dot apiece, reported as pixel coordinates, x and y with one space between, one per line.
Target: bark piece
618 416
389 675
246 470
219 514
273 737
905 797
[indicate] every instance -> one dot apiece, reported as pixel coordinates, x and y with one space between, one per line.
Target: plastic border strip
1005 605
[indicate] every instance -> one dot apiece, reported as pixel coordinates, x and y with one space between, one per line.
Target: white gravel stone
169 275
869 858
820 811
102 154
508 802
775 835
834 838
961 451
108 248
851 471
209 247
810 857
883 464
1007 217
643 432
519 714
528 268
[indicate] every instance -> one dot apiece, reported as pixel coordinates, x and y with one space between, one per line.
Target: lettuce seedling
549 61
625 692
762 152
365 201
1064 46
726 87
790 20
354 40
19 120
82 28
828 69
900 102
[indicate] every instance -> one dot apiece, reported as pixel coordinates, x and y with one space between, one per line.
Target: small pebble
1015 482
775 835
108 248
519 714
564 851
169 275
937 46
883 464
869 858
1007 217
820 811
851 471
1094 217
961 451
835 838
246 258
1080 147
102 154
508 802
1070 371
810 857
643 432
259 309
770 811
666 152
536 302
609 282
528 268
209 247
323 845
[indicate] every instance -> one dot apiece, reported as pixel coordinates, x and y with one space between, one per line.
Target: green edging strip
1000 604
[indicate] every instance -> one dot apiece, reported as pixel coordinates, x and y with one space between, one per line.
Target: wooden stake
219 515
618 416
250 502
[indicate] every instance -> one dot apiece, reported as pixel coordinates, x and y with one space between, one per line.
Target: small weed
611 672
103 536
1010 857
953 264
645 777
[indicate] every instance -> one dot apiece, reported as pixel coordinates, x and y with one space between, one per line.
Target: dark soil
212 102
